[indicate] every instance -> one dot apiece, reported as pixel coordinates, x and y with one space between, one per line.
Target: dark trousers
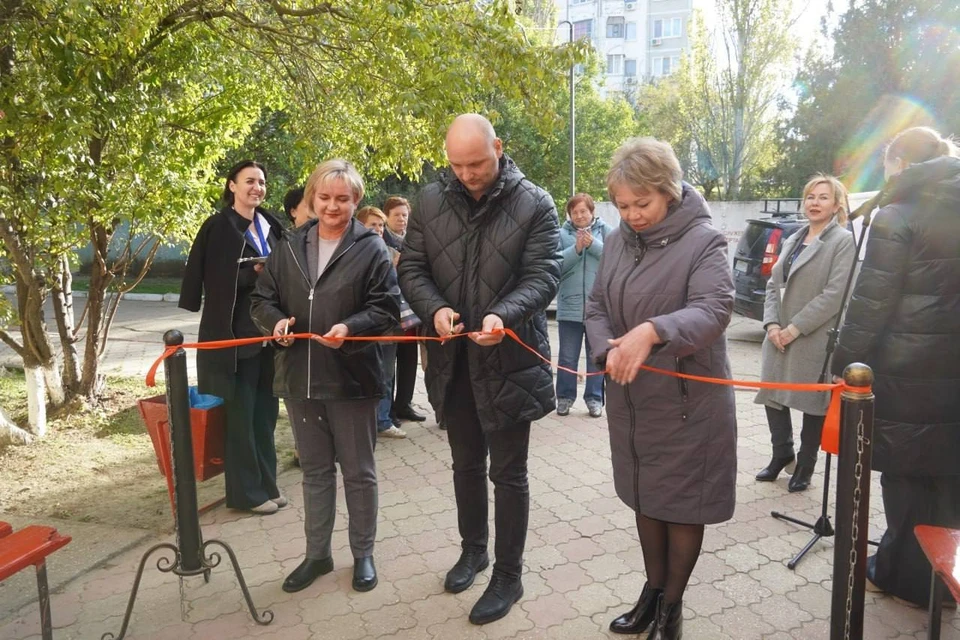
508 471
337 430
406 377
899 567
572 336
781 435
250 455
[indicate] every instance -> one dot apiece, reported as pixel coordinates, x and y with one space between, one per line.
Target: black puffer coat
358 288
502 259
904 321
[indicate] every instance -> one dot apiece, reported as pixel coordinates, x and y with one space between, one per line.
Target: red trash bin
208 426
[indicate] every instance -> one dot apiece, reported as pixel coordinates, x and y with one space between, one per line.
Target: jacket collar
681 216
509 176
353 233
807 254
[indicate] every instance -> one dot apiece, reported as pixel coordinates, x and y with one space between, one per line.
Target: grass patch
147 285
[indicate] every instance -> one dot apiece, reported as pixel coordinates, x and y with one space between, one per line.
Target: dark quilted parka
496 256
904 321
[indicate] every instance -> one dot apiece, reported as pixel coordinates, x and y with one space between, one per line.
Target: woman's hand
773 335
281 329
334 337
630 352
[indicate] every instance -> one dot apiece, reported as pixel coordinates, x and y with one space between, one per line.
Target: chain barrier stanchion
853 504
190 557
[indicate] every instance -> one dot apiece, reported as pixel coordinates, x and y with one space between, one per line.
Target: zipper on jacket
233 309
682 385
640 250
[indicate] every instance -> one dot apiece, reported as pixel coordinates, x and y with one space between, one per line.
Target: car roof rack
781 206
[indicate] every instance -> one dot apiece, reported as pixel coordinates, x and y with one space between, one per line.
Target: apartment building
639 39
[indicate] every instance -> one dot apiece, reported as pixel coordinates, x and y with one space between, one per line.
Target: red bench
31 546
940 545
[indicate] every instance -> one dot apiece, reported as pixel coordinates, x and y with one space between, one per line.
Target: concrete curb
146 297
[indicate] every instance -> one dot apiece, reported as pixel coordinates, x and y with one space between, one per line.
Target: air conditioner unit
656 42
630 6
631 79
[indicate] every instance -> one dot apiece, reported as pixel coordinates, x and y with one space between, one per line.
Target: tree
115 115
894 65
720 106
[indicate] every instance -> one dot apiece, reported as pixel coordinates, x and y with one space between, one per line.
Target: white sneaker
392 432
266 508
280 501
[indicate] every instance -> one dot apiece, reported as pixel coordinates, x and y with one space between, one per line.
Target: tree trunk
91 380
11 433
62 296
36 400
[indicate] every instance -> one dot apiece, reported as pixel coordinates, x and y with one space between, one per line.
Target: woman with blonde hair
331 277
804 297
663 296
904 321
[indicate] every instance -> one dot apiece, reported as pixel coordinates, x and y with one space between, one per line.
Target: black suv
758 250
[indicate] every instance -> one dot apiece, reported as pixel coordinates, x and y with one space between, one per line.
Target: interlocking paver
583 563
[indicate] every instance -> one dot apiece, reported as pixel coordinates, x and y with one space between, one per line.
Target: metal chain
858 477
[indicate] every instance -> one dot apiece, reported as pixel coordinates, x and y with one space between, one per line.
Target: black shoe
461 576
304 575
442 426
407 413
643 613
395 422
801 478
770 473
497 600
364 574
669 623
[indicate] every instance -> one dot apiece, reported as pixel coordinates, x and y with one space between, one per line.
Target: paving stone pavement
583 560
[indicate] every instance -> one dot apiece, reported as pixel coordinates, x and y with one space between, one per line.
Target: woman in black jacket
332 277
904 321
224 265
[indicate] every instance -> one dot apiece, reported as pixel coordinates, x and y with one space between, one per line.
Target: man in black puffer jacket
904 321
480 254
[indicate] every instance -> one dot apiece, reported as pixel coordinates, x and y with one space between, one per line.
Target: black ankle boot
639 618
801 478
669 622
497 600
770 473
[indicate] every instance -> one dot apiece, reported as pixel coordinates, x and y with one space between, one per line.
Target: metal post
573 121
43 588
853 505
181 453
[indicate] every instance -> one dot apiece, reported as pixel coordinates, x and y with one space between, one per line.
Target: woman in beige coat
804 296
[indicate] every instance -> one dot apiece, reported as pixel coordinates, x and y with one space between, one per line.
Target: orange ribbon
830 441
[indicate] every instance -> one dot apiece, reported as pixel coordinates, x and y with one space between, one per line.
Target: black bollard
181 451
853 505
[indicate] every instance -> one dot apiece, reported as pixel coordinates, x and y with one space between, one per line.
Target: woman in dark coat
242 376
332 277
904 321
804 296
663 297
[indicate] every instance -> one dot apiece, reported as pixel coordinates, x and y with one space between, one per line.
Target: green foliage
895 64
719 110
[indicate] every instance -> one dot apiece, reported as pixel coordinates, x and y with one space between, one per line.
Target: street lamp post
573 124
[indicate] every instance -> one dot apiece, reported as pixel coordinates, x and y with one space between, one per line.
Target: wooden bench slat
940 546
28 546
5 529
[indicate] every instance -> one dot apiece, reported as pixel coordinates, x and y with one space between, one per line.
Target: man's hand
281 329
334 337
444 322
491 333
629 352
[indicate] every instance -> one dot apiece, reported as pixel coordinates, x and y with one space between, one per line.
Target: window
630 68
580 1
583 29
615 27
631 31
665 66
614 65
668 28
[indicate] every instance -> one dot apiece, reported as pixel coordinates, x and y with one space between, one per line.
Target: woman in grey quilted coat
663 296
804 296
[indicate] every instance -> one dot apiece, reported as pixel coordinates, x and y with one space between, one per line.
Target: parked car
758 250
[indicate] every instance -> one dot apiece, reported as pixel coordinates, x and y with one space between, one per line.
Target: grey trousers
345 431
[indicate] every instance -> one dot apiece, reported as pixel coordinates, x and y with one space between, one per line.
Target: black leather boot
801 478
304 575
772 470
497 600
639 618
669 623
461 576
364 574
